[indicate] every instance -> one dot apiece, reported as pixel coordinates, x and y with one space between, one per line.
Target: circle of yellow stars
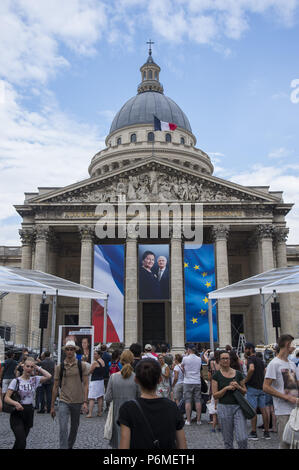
205 300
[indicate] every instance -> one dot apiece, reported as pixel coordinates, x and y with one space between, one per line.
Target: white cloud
44 148
281 152
279 178
31 33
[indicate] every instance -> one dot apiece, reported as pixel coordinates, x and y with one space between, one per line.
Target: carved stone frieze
153 185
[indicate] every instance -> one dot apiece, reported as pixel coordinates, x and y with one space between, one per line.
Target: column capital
43 232
280 234
87 232
264 231
220 232
27 236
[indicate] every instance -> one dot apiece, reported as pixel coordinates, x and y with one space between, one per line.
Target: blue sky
67 67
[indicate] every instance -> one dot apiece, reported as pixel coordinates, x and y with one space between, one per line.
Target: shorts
269 400
256 397
192 392
178 391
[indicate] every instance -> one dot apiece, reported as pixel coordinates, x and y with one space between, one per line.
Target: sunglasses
69 349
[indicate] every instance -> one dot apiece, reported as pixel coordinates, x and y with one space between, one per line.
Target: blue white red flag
109 261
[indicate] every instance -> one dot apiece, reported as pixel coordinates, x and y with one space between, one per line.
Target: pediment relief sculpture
155 186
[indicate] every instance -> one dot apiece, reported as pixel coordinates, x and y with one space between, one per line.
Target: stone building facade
246 224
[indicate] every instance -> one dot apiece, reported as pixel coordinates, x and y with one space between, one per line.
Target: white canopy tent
275 281
27 281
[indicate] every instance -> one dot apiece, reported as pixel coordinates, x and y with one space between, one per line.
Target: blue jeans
66 411
256 397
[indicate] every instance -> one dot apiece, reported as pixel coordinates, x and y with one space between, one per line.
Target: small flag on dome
163 126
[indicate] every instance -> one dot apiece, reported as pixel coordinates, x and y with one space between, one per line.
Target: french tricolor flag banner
109 265
163 126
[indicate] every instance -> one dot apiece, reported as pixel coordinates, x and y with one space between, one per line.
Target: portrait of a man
162 273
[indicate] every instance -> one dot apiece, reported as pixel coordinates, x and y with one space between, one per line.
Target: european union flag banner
109 265
199 269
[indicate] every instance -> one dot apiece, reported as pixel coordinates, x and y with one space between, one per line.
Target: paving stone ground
45 434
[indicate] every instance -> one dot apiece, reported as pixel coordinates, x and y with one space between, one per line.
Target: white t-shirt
192 366
285 376
149 355
27 388
181 374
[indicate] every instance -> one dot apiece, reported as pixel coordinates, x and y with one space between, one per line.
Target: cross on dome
150 42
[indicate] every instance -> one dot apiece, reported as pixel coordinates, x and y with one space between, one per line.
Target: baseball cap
148 347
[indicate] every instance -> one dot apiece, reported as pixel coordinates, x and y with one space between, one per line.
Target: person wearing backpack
114 365
71 376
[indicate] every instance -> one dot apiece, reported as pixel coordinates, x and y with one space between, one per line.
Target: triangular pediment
153 180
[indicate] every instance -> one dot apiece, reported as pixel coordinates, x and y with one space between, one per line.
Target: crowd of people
151 394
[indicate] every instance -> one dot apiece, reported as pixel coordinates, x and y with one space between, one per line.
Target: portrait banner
199 270
154 272
109 266
83 337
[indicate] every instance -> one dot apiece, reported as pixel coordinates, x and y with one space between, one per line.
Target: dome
141 110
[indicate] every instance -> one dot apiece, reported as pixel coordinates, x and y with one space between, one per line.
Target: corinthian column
131 306
280 237
220 236
177 295
254 327
86 268
27 238
41 264
264 233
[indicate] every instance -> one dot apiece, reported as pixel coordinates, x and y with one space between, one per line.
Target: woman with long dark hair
150 422
224 382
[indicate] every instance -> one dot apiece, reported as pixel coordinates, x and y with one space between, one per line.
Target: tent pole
211 325
105 321
54 305
263 304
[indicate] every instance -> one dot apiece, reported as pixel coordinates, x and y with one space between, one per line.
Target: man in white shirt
282 382
148 353
191 366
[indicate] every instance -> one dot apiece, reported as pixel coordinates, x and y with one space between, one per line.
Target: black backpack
62 369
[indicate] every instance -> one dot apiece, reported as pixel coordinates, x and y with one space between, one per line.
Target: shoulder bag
156 443
248 410
109 421
6 408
